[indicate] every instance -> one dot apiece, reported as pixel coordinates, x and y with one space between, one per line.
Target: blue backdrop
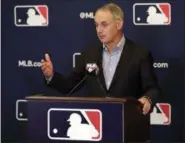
69 27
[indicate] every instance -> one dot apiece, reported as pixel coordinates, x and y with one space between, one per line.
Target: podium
83 119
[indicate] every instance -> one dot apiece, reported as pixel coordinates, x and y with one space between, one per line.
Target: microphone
91 67
98 80
77 85
94 70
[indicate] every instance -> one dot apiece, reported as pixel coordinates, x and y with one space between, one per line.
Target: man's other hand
146 104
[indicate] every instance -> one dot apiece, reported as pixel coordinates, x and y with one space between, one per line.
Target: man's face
106 26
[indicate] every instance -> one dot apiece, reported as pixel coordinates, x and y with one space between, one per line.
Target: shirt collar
119 46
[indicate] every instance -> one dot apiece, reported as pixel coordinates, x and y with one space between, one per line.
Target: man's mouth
101 37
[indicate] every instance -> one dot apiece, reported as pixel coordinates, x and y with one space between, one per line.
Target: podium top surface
91 99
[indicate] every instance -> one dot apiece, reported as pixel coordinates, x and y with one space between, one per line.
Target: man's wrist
48 79
148 98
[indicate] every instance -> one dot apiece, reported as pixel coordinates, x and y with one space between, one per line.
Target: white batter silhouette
157 118
154 17
33 19
79 131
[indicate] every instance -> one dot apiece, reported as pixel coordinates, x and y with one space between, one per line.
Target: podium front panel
50 121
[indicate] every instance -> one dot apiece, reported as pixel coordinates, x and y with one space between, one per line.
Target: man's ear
119 24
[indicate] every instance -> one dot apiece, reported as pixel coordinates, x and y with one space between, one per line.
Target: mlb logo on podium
152 14
74 124
31 15
161 114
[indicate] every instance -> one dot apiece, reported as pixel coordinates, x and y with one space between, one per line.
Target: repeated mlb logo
152 14
31 15
161 114
74 124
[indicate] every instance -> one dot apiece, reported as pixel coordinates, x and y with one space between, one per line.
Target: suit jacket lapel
122 64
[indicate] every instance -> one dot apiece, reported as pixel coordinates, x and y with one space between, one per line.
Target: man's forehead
103 15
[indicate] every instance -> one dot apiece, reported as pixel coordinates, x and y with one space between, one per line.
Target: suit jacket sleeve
65 84
150 85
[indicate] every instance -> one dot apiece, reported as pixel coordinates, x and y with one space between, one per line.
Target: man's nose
99 30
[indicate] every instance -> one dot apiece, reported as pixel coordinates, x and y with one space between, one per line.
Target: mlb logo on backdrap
21 110
161 114
152 14
31 15
74 124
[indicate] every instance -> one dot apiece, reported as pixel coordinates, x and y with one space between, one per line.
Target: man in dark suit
124 68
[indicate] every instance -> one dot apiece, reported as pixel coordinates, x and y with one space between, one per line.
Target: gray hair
116 11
